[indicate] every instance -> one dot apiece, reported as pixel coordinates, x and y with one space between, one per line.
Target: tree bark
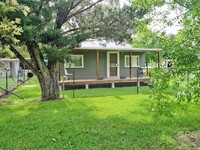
49 86
47 75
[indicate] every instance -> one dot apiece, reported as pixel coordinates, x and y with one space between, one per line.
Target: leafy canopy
60 25
183 50
10 25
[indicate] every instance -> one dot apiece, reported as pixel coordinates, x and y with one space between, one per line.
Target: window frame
67 64
133 58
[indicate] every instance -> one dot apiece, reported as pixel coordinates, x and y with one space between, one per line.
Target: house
108 62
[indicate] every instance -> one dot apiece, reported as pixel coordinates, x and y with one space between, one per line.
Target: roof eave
119 50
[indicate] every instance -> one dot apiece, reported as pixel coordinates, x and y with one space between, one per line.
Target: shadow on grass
102 92
84 124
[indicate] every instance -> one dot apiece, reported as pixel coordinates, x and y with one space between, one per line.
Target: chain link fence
9 82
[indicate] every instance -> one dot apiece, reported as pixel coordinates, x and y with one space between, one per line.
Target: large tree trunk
47 75
48 80
49 85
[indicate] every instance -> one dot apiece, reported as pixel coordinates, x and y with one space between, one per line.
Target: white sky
166 13
122 2
158 24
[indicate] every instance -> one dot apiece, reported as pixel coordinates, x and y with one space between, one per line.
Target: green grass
102 92
31 91
97 119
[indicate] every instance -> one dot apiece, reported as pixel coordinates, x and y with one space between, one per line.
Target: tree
183 50
147 38
52 28
186 50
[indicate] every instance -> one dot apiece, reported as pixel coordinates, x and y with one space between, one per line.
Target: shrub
29 74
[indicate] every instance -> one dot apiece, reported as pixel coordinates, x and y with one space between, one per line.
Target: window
77 61
135 61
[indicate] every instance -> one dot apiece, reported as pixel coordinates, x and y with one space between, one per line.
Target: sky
168 15
124 1
157 24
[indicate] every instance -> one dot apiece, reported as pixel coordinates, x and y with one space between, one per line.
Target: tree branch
179 3
40 7
21 58
79 12
17 54
70 8
64 16
76 4
71 30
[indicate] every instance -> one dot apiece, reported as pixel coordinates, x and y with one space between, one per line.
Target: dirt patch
189 140
1 101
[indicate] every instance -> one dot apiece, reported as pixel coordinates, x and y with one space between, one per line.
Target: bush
29 74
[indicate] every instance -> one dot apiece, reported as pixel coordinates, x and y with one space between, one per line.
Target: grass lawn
96 119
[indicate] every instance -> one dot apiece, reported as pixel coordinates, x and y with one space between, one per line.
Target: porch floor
112 81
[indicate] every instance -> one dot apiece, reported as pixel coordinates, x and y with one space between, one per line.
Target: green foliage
183 51
53 54
145 38
9 29
30 33
160 83
40 25
149 39
4 11
55 37
10 24
82 35
51 36
147 4
5 52
32 20
55 46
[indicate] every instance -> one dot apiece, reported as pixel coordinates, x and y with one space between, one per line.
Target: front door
113 64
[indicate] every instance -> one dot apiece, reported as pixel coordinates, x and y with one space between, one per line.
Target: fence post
24 75
63 86
138 80
6 82
73 83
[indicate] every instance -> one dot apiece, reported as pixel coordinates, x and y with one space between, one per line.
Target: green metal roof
93 45
119 49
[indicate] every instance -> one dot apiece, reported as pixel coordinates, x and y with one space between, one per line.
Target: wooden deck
111 81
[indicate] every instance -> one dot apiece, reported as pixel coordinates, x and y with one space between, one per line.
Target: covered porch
109 82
